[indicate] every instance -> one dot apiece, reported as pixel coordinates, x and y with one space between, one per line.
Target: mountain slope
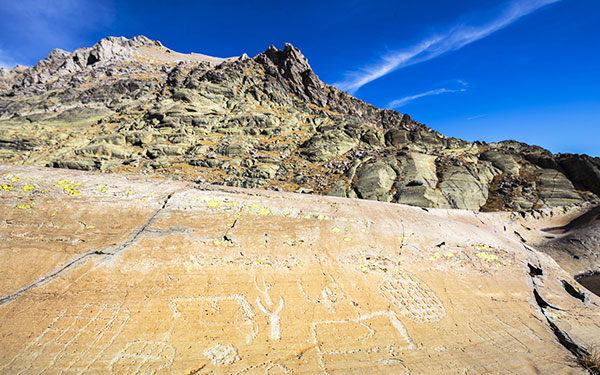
134 106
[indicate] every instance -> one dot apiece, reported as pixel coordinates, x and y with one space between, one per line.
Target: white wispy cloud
452 40
476 116
407 99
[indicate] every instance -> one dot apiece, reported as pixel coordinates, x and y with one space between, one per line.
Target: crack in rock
80 259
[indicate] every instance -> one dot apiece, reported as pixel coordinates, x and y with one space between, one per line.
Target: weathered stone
125 103
375 180
105 150
81 164
158 275
338 189
373 138
556 189
503 161
397 138
462 190
164 150
325 146
233 149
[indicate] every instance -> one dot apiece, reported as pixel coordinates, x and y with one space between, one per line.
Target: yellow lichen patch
347 239
435 256
478 246
212 204
6 187
335 230
69 187
487 256
16 178
263 211
26 207
28 188
102 188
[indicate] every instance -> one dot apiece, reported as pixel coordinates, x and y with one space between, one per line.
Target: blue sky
474 69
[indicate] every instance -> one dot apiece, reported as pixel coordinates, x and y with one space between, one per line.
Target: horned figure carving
274 320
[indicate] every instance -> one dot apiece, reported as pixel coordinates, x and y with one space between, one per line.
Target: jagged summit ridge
135 106
108 51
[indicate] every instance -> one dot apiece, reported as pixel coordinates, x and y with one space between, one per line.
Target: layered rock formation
134 106
109 274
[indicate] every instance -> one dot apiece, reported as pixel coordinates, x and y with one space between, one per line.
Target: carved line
240 299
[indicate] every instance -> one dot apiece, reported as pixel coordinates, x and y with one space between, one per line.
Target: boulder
105 151
501 160
328 145
463 190
375 180
80 164
160 150
556 189
338 189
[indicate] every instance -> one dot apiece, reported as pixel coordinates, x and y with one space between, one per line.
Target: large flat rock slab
108 274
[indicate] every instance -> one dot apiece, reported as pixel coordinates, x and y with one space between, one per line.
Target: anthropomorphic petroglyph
73 341
212 310
142 357
329 295
274 320
413 299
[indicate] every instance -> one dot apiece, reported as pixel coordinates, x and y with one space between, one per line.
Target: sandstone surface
113 274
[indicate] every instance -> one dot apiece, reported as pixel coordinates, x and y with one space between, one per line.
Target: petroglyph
330 294
412 298
264 291
267 368
274 320
222 354
211 310
73 341
359 336
142 357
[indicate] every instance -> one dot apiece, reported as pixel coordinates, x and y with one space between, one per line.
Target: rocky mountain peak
110 50
263 122
289 59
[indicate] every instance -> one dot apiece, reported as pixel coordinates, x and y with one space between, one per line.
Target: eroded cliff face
135 106
113 274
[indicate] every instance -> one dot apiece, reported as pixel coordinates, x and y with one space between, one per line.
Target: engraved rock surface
113 274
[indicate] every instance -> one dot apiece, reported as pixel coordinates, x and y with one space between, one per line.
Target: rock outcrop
112 274
135 106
